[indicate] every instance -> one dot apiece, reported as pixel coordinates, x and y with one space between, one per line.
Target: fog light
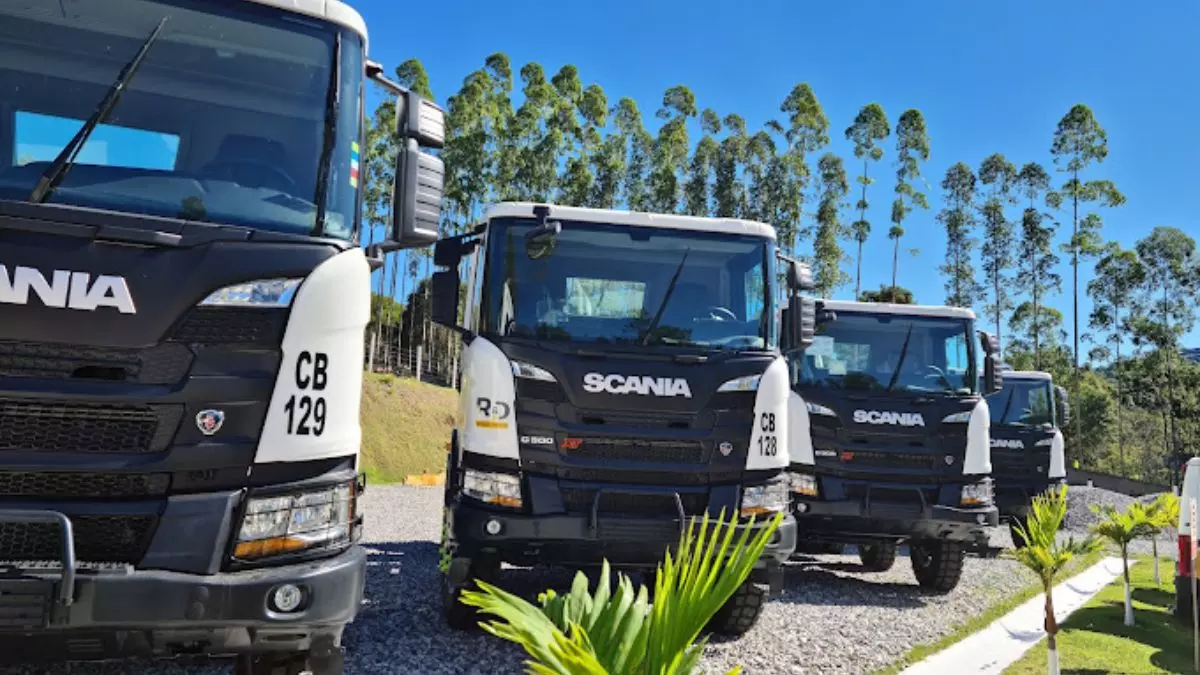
801 507
287 598
982 519
493 527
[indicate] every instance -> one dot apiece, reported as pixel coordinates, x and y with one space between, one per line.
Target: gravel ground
831 619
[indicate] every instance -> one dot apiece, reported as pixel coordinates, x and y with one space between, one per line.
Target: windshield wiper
900 363
666 297
66 159
332 97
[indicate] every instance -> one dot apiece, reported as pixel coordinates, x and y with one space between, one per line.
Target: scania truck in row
183 298
1028 452
620 377
888 435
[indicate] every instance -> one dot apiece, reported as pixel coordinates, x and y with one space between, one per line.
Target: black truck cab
1028 451
889 435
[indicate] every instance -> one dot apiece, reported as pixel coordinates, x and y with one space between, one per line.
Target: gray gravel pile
831 619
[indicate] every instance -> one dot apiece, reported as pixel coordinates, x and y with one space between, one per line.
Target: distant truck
1028 452
888 435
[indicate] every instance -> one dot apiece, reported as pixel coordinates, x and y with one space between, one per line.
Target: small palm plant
1162 514
1121 528
620 633
1046 555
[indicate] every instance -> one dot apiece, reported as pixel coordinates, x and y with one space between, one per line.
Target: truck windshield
228 120
882 352
604 284
1022 403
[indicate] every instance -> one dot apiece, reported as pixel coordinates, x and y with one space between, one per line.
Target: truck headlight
762 499
804 484
958 417
276 524
816 409
532 372
744 383
501 489
977 494
258 293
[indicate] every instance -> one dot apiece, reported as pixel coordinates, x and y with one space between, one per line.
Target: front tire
741 611
459 616
878 557
290 663
937 564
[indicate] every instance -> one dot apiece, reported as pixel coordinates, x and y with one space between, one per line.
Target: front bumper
159 613
579 540
1015 499
853 521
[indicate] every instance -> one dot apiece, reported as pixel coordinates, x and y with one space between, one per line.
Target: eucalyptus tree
700 170
958 218
1079 140
671 148
729 194
1119 277
637 145
869 128
827 248
1036 260
912 148
999 176
807 132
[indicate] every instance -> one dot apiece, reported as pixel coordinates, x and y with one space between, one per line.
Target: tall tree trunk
1154 551
1050 623
996 290
1128 587
1117 380
1037 351
858 274
1075 301
895 266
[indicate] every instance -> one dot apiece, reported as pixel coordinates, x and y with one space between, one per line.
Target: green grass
980 621
406 425
1094 639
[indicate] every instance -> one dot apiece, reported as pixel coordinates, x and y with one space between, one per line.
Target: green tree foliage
962 289
869 129
1035 247
912 148
585 633
827 248
999 176
1162 514
894 294
1121 527
671 148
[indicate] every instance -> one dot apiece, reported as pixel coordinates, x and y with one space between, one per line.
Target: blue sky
989 77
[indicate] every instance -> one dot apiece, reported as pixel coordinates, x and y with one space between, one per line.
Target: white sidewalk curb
1006 639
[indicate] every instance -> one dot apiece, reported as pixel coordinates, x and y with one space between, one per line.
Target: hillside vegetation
406 426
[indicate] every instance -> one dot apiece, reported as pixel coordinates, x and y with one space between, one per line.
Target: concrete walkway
1006 639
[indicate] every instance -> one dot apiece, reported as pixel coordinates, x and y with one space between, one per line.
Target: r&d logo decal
492 413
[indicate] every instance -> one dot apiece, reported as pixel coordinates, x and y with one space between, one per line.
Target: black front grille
161 364
638 420
231 326
117 539
77 485
640 450
871 459
907 496
580 500
44 426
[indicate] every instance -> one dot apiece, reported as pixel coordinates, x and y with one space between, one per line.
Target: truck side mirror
993 368
799 319
1063 406
419 177
444 298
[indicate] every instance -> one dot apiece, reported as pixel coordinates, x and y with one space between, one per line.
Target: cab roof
1026 375
334 11
938 311
634 218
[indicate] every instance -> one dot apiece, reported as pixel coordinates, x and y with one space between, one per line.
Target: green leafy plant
1121 527
1046 555
619 632
1161 515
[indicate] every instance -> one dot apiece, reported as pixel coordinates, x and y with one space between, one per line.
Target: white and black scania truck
1028 451
620 376
888 435
183 300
